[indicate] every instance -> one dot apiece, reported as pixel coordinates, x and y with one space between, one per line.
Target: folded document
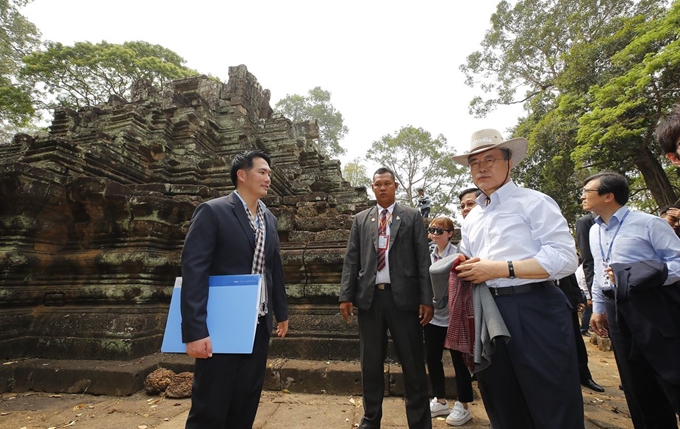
233 305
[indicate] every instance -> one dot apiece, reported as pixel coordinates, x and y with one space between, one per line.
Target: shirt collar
445 253
260 204
390 209
617 216
501 193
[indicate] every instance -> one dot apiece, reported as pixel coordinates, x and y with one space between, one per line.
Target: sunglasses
437 231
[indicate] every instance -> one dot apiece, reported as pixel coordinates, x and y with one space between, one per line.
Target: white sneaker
459 415
438 409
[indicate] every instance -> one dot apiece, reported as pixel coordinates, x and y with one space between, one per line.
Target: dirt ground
32 410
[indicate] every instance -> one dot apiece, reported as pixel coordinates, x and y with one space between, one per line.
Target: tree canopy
317 105
87 74
420 161
594 78
18 37
355 173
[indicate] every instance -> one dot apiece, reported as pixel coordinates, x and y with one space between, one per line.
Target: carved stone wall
94 213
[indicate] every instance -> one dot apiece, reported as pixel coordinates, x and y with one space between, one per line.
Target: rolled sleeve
557 252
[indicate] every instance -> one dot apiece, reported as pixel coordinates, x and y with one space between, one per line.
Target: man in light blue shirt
645 325
517 241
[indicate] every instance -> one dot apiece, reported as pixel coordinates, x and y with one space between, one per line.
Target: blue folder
233 305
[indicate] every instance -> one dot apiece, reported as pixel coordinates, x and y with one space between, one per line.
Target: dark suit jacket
583 241
220 241
652 315
569 285
408 254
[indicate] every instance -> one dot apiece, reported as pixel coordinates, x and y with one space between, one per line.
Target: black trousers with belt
407 336
227 387
533 380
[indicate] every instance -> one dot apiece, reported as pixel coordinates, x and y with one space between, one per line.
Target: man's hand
477 270
600 324
580 307
425 313
673 212
282 328
346 310
589 303
200 349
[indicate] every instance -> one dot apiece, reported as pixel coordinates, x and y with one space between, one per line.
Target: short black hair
664 209
383 170
611 183
464 192
507 153
668 131
244 161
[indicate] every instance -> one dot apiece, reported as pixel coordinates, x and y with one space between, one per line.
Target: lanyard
611 244
387 221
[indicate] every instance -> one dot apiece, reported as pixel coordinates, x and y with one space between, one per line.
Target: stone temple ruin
93 216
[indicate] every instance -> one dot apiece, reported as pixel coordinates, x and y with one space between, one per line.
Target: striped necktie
382 230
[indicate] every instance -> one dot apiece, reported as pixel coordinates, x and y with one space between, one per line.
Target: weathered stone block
95 213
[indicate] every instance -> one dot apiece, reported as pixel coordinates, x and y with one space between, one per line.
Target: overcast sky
387 64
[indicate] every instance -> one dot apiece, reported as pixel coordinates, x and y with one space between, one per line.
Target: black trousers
641 365
533 380
407 336
585 319
581 352
435 336
227 387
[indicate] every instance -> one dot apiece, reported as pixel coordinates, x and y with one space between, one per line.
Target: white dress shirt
519 224
581 279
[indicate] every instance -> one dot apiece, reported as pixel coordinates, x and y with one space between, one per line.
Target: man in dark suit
231 235
385 275
569 286
583 225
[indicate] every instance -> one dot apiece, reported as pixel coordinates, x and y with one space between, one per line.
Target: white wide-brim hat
488 139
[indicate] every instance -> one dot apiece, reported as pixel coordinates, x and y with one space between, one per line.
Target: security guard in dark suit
385 275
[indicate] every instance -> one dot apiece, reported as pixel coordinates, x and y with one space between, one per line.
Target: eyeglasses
589 190
437 231
486 163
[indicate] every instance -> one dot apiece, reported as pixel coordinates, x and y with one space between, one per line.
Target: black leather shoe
590 384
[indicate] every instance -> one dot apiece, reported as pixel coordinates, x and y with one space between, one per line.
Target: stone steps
123 378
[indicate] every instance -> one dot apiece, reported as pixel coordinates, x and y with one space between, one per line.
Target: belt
512 290
609 293
383 286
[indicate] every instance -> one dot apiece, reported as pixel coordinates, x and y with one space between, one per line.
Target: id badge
606 282
383 242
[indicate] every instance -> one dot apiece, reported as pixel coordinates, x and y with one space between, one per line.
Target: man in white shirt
517 241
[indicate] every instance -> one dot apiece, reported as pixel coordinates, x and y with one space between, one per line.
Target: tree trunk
655 178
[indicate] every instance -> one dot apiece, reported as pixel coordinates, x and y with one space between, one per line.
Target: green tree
564 60
625 109
317 105
420 161
18 37
88 74
355 173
